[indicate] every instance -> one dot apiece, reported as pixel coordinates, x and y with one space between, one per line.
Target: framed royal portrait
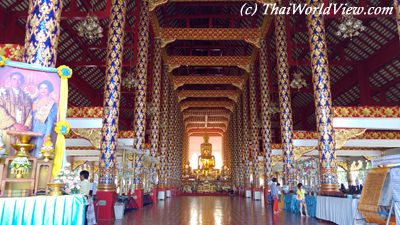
29 101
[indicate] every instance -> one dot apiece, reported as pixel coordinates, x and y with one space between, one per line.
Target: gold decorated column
397 10
255 145
284 95
323 99
240 148
155 122
246 137
265 114
112 93
140 99
164 128
42 32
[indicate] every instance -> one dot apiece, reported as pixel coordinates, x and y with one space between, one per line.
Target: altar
61 210
206 178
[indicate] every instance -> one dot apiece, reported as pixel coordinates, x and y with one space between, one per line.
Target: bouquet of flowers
70 179
20 165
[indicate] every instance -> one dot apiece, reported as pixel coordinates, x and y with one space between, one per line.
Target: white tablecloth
342 211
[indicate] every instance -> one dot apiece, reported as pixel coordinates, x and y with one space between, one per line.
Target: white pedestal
168 193
248 193
257 195
161 195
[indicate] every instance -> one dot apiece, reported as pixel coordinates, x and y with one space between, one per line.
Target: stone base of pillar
266 194
248 192
173 191
106 201
256 194
138 197
153 195
242 192
161 194
168 192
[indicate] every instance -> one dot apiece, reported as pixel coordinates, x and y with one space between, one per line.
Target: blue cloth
46 128
291 204
57 210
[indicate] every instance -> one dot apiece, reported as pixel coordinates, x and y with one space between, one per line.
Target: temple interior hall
199 112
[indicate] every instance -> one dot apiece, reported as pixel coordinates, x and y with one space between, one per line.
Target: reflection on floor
211 210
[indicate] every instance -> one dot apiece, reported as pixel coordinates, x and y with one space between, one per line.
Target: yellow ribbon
62 126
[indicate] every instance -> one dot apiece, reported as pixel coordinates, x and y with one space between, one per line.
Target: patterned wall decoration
284 93
140 102
209 60
323 99
209 33
111 96
233 80
207 104
231 94
367 111
265 116
155 120
12 51
42 32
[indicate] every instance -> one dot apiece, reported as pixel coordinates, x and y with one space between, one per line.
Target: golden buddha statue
206 160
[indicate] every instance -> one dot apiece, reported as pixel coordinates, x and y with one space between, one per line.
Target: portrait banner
33 98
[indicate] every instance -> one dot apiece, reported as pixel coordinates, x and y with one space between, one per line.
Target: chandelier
130 82
298 81
349 27
90 27
151 109
274 109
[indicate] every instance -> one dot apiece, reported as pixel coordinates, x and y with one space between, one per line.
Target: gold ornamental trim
207 104
209 60
231 94
210 119
93 135
236 81
153 4
210 33
206 112
343 135
367 112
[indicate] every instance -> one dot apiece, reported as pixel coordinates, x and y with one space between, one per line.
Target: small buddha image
187 172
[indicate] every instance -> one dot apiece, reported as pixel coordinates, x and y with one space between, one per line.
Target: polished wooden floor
211 210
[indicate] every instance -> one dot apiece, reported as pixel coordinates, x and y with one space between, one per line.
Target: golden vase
56 189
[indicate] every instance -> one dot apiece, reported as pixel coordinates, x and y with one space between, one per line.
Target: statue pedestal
248 193
256 194
168 193
161 194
